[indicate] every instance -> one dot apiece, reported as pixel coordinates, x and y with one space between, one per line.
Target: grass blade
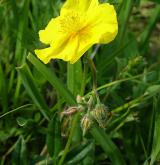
52 78
107 145
74 76
149 29
20 155
3 90
81 155
54 138
155 155
32 89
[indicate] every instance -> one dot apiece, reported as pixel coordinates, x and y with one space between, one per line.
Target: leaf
149 29
157 1
80 155
21 121
124 16
3 90
52 78
68 144
152 90
53 139
20 154
155 154
74 77
118 121
107 145
22 25
32 90
74 82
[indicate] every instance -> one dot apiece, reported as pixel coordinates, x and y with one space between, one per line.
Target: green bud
100 114
86 123
79 99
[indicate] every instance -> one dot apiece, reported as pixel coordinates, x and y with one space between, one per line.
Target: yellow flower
81 24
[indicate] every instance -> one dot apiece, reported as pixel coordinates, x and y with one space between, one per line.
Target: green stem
84 79
94 77
74 123
16 109
118 82
93 70
131 103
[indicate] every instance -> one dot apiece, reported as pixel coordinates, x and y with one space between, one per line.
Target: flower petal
103 21
78 5
66 50
43 54
51 31
86 40
70 49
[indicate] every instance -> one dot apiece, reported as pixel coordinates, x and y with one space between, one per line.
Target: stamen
72 23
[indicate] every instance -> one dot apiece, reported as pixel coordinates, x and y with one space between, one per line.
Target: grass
40 113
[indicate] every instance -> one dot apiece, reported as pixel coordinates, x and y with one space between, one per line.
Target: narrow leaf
32 90
20 154
74 76
52 78
81 155
107 145
155 154
54 137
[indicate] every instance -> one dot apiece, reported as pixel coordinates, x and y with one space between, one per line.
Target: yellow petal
43 54
57 45
70 49
51 31
86 40
81 50
103 22
66 50
78 5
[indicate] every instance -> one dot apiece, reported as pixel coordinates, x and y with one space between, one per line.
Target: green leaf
3 90
145 36
20 154
22 25
54 137
81 154
157 1
124 15
155 154
90 157
32 90
74 77
52 78
68 144
152 90
74 81
107 145
21 121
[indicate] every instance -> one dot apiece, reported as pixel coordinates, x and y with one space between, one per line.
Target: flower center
72 23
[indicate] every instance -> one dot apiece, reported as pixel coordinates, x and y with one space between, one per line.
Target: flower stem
94 76
131 103
74 123
84 79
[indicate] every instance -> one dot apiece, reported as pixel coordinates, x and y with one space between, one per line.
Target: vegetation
104 109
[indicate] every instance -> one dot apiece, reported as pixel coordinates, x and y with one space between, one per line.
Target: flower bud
79 99
86 123
100 114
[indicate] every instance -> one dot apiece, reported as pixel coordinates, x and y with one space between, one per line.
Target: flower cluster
91 112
